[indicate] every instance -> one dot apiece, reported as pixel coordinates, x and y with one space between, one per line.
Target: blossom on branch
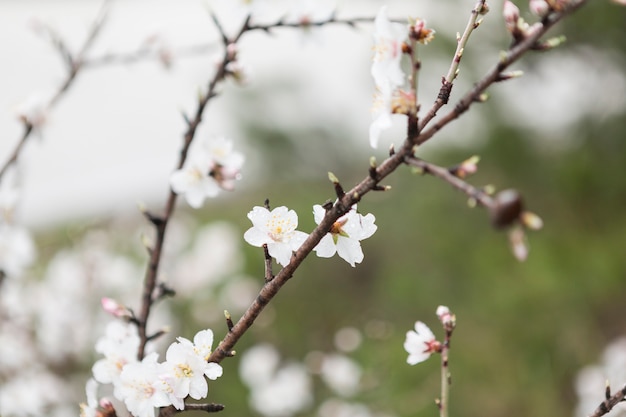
389 39
277 230
141 387
345 235
213 166
420 343
186 367
386 104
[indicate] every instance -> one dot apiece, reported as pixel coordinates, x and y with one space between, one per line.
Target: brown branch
151 277
370 183
477 194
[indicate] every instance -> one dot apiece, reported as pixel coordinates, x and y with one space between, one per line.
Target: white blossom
345 235
142 388
208 168
420 343
277 230
119 347
388 40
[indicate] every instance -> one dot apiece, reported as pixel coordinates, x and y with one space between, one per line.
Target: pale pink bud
114 308
511 15
539 7
446 317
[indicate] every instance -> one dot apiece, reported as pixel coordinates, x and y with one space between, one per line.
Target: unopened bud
539 7
531 220
114 308
507 209
446 318
511 14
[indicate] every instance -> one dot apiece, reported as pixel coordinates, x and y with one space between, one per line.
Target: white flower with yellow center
277 230
345 236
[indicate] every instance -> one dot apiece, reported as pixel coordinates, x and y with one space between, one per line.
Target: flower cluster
211 167
277 230
146 385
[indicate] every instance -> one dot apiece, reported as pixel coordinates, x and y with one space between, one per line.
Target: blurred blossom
288 392
348 339
388 40
34 109
210 167
141 388
275 391
341 374
17 249
119 346
345 235
420 343
215 255
9 194
258 364
591 381
277 230
31 392
338 408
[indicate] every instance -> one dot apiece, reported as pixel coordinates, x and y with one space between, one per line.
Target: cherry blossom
209 168
388 40
277 230
119 347
345 235
141 387
186 367
420 343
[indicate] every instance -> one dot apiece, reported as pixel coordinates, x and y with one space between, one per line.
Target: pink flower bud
114 308
446 317
511 14
539 7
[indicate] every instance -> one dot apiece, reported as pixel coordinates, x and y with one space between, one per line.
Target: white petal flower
388 40
119 347
341 374
141 387
420 343
345 235
277 230
209 168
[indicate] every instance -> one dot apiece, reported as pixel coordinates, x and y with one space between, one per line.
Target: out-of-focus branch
160 222
74 64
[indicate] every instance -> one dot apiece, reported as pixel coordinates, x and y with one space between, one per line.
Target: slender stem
477 194
447 82
445 377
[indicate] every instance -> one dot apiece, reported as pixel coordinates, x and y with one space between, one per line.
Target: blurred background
525 330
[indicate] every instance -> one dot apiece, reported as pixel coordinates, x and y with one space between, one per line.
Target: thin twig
512 55
608 404
479 195
270 289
